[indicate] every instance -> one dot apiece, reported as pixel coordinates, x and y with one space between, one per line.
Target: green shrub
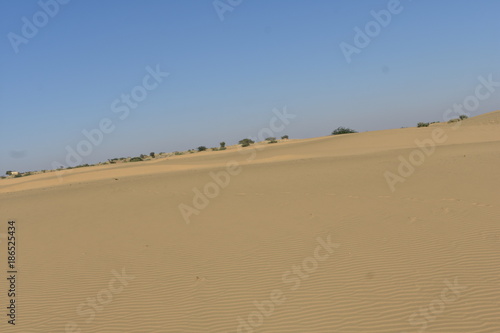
214 149
423 124
152 154
178 153
456 120
246 142
202 148
463 117
136 159
271 138
343 130
284 137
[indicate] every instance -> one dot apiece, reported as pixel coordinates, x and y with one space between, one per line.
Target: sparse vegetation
343 130
284 137
178 153
271 140
460 118
136 159
246 142
202 148
421 124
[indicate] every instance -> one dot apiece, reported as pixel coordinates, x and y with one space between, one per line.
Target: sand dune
307 236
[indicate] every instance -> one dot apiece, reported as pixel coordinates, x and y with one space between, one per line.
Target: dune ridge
422 258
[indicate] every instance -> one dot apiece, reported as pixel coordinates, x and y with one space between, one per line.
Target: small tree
343 130
463 117
246 142
202 148
222 146
143 156
152 154
284 137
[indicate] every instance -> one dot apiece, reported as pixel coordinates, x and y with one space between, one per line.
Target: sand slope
422 258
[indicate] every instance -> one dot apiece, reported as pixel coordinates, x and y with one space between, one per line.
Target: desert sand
300 236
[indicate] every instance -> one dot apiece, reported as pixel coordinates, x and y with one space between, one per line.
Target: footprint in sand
480 204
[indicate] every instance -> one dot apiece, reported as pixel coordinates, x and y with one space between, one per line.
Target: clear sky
65 72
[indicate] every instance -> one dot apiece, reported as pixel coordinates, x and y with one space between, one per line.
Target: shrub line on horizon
221 179
427 147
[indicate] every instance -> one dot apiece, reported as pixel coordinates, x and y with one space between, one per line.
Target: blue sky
226 76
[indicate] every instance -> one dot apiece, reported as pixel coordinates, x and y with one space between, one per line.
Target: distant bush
202 148
284 137
456 120
343 130
222 146
17 176
136 159
8 172
152 154
423 124
214 149
246 142
271 140
463 117
178 153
